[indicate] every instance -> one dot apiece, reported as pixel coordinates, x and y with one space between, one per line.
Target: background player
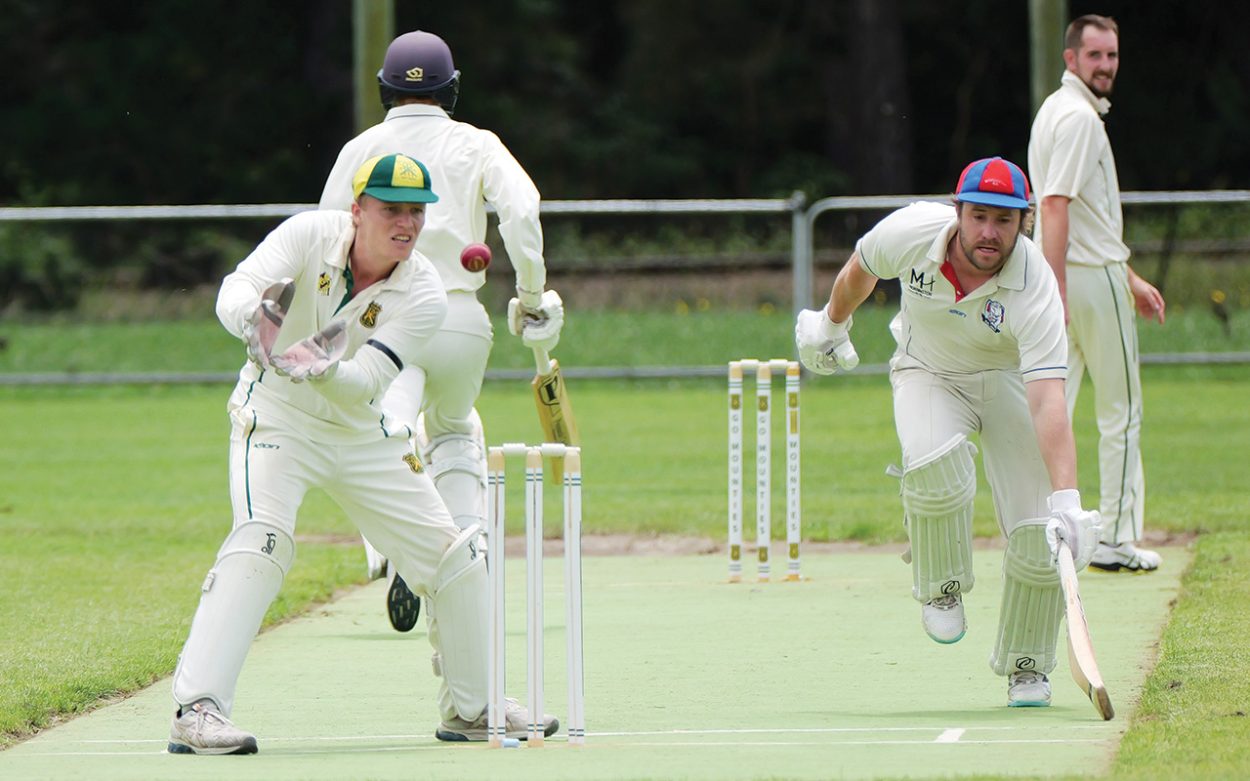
981 350
1081 229
419 85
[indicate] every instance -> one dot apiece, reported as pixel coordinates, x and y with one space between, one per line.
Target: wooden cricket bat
1080 647
555 411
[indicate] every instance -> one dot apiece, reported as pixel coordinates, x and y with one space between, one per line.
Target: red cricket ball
475 257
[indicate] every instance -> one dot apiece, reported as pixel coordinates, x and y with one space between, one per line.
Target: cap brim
401 194
993 199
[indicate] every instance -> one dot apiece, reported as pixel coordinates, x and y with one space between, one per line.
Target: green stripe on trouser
1032 605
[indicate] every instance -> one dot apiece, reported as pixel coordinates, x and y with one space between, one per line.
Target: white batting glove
261 328
314 358
1070 525
538 324
824 346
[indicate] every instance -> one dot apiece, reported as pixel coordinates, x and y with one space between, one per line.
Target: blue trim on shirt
375 344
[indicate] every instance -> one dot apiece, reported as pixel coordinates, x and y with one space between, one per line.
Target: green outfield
113 501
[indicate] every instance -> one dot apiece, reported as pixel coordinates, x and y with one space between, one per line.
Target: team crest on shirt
414 463
993 315
323 284
370 317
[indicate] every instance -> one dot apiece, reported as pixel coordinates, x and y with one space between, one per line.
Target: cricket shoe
201 729
943 618
1125 556
402 606
516 725
1028 689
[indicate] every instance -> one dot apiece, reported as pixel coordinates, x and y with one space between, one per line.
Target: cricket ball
475 257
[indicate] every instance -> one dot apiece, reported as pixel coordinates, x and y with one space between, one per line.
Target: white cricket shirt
469 167
387 323
1070 155
1012 321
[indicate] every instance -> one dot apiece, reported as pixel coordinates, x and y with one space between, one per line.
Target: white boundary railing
802 253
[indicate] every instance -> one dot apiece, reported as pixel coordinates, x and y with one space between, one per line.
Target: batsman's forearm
1049 410
851 288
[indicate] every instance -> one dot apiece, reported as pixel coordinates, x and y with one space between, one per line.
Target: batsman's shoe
943 618
1027 689
402 606
516 722
202 730
1125 557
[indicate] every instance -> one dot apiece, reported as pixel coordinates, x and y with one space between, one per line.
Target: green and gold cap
394 179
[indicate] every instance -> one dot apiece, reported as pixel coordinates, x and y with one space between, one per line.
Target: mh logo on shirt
918 285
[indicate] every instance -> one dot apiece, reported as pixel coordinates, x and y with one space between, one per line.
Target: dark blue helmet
419 63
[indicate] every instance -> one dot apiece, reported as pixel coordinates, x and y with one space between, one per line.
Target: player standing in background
981 350
419 85
354 301
1081 231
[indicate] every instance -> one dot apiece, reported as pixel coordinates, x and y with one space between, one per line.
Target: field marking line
950 736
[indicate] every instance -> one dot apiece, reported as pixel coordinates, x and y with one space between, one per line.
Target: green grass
113 502
684 336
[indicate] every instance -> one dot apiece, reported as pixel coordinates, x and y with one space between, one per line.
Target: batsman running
419 85
981 351
353 302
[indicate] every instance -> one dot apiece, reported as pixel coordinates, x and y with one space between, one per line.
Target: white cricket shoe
943 618
1028 689
516 723
202 730
1125 556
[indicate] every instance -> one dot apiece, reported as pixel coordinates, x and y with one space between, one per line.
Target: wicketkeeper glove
824 346
314 358
260 330
1069 525
537 323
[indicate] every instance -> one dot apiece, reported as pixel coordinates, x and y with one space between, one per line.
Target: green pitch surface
686 677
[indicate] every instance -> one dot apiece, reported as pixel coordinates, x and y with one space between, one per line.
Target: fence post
800 251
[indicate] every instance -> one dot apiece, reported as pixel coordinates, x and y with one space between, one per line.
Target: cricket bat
555 411
1080 646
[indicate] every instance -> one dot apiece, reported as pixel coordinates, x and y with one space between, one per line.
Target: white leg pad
457 613
236 593
1032 605
457 464
938 490
375 562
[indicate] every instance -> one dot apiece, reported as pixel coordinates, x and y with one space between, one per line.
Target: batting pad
457 464
938 490
236 593
1032 605
457 616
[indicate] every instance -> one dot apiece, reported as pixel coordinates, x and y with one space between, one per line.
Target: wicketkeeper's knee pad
938 490
1032 604
457 613
457 464
237 591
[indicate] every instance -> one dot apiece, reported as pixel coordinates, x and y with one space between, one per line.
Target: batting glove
314 358
1069 525
538 326
824 346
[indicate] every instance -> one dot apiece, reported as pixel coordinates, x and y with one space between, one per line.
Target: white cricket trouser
929 409
446 378
1102 340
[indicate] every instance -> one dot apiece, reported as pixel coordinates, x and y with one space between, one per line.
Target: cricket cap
394 179
994 181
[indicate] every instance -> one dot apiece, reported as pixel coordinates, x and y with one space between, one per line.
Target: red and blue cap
994 181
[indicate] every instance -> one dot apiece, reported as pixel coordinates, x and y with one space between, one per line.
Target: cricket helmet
419 63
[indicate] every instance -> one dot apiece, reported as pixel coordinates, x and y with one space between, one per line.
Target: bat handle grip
542 361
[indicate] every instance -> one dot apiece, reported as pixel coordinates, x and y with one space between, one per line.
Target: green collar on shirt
351 285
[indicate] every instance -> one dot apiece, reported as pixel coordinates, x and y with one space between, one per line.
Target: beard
969 249
1097 92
